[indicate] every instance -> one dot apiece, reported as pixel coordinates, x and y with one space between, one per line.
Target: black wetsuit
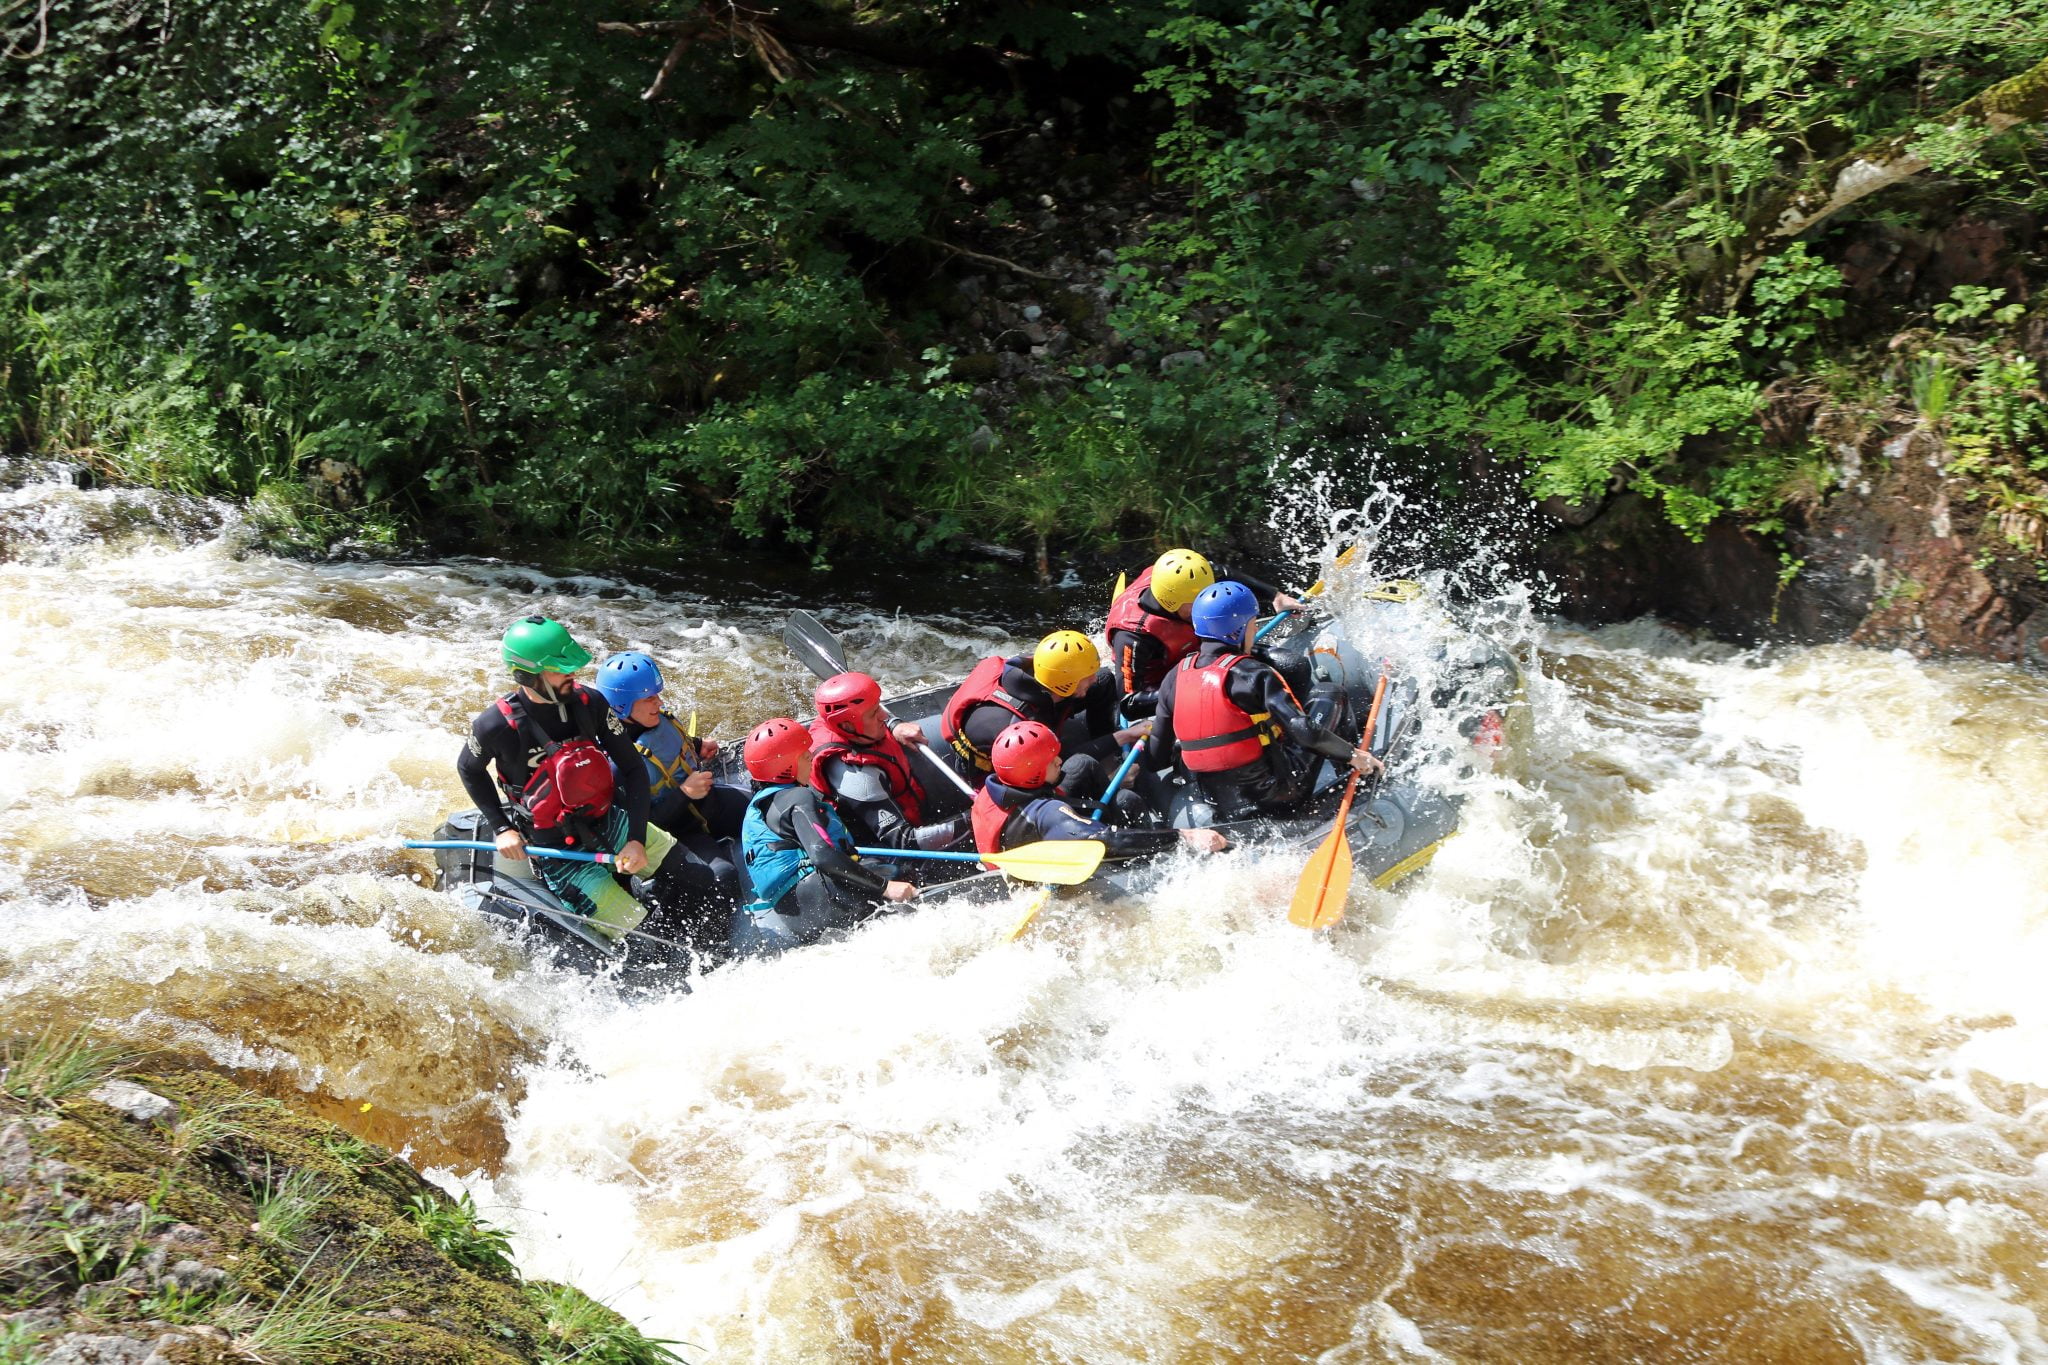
701 867
579 714
1038 813
1283 775
860 793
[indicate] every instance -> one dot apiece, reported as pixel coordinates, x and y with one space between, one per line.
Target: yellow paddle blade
1316 588
1118 591
1395 590
693 725
1030 913
1325 882
1062 862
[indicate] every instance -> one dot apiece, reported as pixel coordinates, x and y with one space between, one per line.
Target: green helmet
535 643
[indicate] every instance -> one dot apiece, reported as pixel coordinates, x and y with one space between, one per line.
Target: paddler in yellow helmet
1061 685
1149 630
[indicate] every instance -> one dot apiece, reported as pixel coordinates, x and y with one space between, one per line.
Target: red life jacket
984 684
1129 614
571 784
887 755
1215 734
989 819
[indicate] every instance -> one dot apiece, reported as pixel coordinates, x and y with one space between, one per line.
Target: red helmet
845 695
1021 752
775 748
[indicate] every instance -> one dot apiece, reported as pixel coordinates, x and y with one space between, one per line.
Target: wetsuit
1146 640
806 878
494 741
1009 817
701 866
860 792
1284 773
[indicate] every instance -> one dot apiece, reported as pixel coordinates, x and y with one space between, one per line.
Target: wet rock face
1900 558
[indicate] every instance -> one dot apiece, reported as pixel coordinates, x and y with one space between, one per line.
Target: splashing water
1713 1035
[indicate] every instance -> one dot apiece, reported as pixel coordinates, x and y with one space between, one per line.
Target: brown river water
1718 1033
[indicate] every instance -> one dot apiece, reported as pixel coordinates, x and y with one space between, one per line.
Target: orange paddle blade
1325 882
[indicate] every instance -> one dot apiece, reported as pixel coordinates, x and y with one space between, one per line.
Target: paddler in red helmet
864 764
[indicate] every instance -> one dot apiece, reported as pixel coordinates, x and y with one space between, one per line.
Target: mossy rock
171 1231
975 369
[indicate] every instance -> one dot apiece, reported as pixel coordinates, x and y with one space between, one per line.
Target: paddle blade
1030 913
1325 882
815 647
1060 862
1118 591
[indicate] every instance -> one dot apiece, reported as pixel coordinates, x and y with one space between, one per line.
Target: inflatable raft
1397 823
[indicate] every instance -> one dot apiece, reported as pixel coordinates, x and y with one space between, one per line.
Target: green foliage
378 265
585 1332
1559 197
459 1233
1793 294
1967 302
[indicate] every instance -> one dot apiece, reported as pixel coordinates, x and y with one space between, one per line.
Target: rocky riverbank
174 1218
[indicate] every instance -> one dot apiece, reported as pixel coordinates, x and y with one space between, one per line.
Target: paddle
511 890
818 650
1313 589
1319 895
565 854
1116 783
1030 913
1062 862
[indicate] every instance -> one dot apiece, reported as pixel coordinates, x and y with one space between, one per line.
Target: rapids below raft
1717 1034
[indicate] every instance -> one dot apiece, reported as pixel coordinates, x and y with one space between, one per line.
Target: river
1718 1033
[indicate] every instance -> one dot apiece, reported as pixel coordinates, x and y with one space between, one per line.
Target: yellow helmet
1178 577
1064 661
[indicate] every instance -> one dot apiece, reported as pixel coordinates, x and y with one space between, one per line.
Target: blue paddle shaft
1267 629
1115 783
566 854
918 853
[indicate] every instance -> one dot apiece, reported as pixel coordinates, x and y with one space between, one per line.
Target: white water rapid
1718 1033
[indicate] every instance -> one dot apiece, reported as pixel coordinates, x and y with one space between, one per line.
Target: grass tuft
51 1067
305 1326
284 1205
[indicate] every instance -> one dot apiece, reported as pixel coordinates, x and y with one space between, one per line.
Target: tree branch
985 258
1881 164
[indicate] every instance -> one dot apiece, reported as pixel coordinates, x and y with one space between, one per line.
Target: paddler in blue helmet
686 799
1237 727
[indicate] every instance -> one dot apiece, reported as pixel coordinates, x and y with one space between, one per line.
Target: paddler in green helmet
566 777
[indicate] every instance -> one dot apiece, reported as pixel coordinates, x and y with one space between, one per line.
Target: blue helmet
1222 611
623 679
